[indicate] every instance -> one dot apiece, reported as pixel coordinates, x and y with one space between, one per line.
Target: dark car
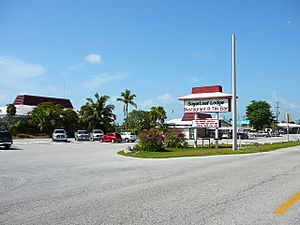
111 137
5 139
242 135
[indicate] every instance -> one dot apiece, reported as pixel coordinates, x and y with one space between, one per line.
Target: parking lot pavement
42 182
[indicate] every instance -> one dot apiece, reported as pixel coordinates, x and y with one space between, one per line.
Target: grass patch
222 150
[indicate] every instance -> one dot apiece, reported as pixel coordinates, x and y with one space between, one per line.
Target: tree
8 121
69 120
138 120
97 114
11 109
259 113
47 116
157 116
127 98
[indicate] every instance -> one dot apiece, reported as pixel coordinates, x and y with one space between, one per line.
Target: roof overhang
203 96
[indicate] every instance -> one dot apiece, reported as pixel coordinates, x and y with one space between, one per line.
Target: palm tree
97 114
157 115
127 98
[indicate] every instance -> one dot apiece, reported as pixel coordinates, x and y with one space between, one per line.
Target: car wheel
101 140
7 147
113 141
126 140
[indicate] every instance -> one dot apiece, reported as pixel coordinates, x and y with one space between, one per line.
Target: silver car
59 135
82 135
96 134
128 136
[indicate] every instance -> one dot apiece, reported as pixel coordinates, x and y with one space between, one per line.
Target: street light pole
233 73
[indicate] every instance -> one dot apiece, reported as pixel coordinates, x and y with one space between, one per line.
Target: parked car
242 135
82 135
262 133
111 137
275 134
128 136
5 139
96 134
59 135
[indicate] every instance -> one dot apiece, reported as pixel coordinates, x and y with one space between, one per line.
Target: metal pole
234 125
217 132
195 132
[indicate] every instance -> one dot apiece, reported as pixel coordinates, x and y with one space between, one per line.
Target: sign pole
217 133
195 132
233 67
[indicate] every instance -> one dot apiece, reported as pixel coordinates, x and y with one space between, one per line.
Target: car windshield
98 131
132 133
59 132
82 132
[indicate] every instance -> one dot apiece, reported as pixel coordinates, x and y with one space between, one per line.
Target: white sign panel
213 123
208 105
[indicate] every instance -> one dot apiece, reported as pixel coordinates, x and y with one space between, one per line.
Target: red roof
35 100
191 116
207 89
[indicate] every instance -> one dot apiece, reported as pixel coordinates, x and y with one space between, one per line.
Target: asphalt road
88 183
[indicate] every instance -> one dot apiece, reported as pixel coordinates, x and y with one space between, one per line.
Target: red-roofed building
201 101
35 100
26 103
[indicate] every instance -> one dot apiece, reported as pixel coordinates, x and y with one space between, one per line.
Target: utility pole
234 111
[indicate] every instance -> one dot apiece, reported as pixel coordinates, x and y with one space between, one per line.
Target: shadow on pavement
11 149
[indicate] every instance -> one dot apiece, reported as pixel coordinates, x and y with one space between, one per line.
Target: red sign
213 123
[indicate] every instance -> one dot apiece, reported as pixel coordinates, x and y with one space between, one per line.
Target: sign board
212 123
207 105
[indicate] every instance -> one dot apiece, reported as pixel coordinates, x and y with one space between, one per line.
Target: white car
261 133
128 136
96 134
59 135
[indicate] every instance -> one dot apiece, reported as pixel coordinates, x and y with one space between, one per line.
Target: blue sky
159 49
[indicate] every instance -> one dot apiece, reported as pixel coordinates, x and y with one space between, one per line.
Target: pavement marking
282 209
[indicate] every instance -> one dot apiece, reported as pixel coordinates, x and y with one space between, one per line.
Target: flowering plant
174 139
154 140
151 140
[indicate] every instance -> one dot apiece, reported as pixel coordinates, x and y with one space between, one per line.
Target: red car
111 137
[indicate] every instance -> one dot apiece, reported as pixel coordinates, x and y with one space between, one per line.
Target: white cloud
161 100
286 105
195 80
2 97
289 22
15 70
204 54
76 67
165 98
17 76
104 78
147 104
93 58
